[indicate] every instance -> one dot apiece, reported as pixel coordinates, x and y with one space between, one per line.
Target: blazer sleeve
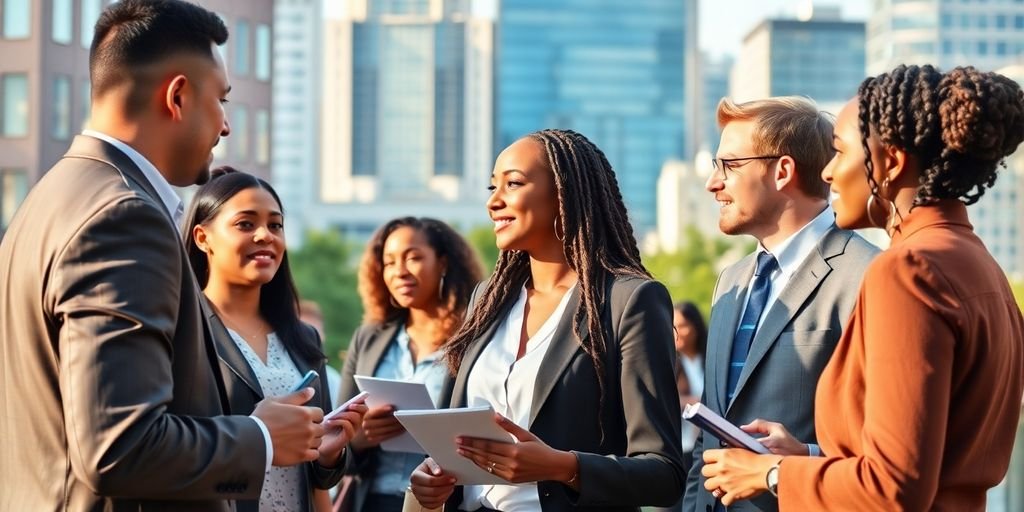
908 376
356 463
116 292
323 477
651 472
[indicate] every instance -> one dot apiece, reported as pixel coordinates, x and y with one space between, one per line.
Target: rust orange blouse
918 407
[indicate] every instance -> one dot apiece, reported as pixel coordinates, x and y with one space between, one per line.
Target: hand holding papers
403 395
709 421
436 431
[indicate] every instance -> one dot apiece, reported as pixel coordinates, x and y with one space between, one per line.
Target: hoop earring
440 289
871 204
559 238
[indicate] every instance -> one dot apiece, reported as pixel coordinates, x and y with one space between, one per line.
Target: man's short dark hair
131 34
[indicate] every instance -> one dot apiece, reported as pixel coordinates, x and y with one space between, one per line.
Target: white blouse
505 384
282 486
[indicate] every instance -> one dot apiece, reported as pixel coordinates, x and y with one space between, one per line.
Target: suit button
547 494
722 444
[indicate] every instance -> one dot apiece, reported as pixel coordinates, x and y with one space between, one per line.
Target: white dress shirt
499 380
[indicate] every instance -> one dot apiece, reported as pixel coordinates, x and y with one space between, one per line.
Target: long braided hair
598 243
960 125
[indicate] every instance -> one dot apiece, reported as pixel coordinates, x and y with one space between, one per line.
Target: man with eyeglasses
778 313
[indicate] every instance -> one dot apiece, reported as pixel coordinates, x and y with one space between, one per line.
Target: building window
1018 21
17 16
241 57
1001 21
14 109
90 14
85 103
62 23
240 132
60 127
13 189
262 122
263 52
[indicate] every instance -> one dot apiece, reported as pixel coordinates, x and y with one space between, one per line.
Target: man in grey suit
111 395
778 313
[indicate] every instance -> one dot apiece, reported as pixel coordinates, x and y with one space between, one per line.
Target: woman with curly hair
569 342
415 280
918 407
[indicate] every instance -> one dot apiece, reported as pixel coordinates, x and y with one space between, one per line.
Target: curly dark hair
960 125
598 244
464 272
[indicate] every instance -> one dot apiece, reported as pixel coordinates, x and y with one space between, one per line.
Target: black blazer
369 344
244 392
636 458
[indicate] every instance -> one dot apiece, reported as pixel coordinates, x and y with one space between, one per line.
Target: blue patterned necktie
762 285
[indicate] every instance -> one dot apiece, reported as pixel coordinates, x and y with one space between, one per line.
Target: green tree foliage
481 238
325 272
1018 291
691 272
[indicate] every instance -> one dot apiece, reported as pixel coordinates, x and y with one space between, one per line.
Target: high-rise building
683 202
295 154
821 58
45 95
987 34
714 85
250 68
407 115
611 70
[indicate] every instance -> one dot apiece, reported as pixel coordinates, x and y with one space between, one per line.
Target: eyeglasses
728 164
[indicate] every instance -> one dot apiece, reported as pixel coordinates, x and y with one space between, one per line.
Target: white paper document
404 395
436 432
714 424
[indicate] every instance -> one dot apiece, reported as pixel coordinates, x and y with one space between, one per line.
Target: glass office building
611 70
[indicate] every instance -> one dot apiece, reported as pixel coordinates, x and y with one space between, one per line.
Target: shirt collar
167 194
794 250
403 348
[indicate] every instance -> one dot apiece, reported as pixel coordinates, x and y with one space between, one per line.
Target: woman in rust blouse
918 407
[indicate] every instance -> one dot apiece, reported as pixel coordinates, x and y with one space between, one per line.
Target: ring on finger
490 467
717 493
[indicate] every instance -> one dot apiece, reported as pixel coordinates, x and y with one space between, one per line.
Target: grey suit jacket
111 396
790 349
244 392
636 458
365 352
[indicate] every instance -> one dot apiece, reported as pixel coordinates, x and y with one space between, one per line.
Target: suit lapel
808 276
564 346
472 353
230 354
725 324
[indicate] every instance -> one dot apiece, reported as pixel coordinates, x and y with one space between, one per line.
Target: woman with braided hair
918 407
569 343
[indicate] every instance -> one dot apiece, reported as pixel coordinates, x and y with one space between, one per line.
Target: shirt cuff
813 450
266 441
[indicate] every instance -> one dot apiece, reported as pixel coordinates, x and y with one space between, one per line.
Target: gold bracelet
572 481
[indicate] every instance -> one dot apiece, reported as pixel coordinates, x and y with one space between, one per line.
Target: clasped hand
297 432
736 474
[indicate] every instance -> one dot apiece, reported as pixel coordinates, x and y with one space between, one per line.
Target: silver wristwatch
771 479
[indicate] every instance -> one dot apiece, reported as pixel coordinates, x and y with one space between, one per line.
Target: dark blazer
111 396
365 352
789 351
636 459
244 392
